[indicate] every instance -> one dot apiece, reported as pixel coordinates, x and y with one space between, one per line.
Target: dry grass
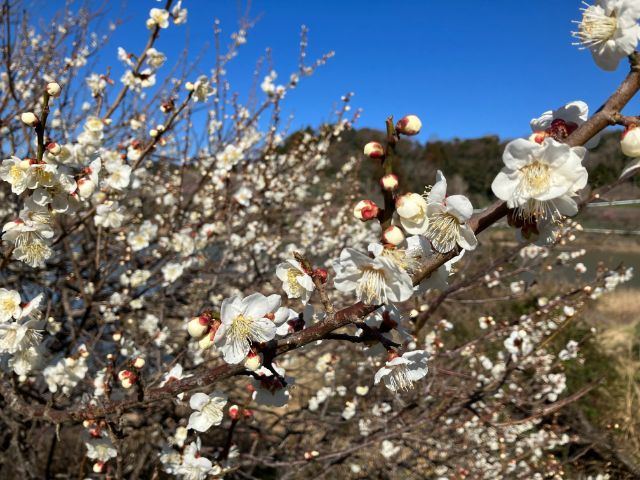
617 318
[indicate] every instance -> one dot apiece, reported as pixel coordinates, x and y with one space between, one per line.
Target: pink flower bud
253 361
247 413
409 125
322 274
86 187
199 326
98 467
630 142
234 412
538 137
53 89
393 235
389 182
53 148
127 378
29 118
366 210
374 150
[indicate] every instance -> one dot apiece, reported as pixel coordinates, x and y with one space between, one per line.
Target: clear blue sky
467 67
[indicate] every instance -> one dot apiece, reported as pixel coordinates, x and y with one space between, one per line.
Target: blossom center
399 378
15 174
292 280
596 27
8 305
240 327
370 288
444 231
536 178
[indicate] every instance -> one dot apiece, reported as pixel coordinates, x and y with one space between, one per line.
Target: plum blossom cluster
207 294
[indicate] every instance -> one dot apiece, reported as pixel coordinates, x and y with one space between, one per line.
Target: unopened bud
206 341
393 236
247 413
150 23
153 132
138 363
311 455
253 361
86 187
53 148
374 150
127 378
630 142
29 118
53 89
409 125
366 210
322 274
391 355
98 467
234 412
189 86
389 182
538 137
199 326
117 336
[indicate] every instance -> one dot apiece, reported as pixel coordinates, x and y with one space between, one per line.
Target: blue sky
479 67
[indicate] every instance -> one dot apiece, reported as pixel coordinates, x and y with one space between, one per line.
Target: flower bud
117 336
393 235
29 118
150 23
206 341
253 361
98 467
234 412
127 378
86 187
53 148
199 326
374 150
322 274
389 182
391 354
53 89
189 86
247 413
366 210
538 137
153 132
630 142
409 125
138 363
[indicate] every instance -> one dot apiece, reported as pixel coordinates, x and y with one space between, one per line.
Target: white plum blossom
270 389
448 216
538 180
411 209
610 29
563 120
101 449
194 466
209 410
375 280
9 304
16 172
295 281
172 271
518 344
244 320
109 215
179 14
202 89
401 372
159 17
